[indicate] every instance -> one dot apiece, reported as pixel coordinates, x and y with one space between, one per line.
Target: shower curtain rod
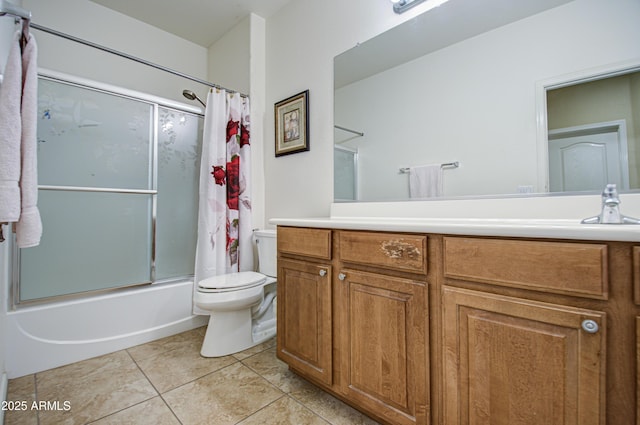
7 8
131 57
359 133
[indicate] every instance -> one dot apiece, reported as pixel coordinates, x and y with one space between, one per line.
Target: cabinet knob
590 326
342 276
323 272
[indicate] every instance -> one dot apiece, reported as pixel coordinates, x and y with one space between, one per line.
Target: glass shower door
345 181
96 197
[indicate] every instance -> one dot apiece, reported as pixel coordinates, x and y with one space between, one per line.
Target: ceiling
200 21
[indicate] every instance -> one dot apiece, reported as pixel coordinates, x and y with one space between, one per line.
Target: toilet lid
232 281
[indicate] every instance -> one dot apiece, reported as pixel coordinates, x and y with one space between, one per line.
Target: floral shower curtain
224 215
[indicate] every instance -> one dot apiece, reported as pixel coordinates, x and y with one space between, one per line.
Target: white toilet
242 305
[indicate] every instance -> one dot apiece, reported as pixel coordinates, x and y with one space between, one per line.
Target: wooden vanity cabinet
516 361
454 330
382 342
636 298
537 332
305 324
357 326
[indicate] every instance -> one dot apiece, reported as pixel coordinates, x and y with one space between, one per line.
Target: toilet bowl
241 305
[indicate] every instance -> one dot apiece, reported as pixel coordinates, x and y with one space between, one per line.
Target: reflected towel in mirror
425 181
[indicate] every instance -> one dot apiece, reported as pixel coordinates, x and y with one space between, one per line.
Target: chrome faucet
610 209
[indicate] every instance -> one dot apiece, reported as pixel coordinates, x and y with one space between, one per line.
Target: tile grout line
154 387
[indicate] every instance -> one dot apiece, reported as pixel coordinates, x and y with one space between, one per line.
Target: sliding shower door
109 165
179 145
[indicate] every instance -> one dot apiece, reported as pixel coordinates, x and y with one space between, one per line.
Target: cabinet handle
342 276
590 326
323 272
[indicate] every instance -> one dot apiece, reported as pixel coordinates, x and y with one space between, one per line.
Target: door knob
323 272
342 276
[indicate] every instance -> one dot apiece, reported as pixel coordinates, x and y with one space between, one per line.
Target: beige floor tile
284 411
255 350
330 408
21 393
247 388
223 397
150 412
170 369
275 371
163 345
94 388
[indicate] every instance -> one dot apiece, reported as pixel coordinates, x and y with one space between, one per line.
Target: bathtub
47 336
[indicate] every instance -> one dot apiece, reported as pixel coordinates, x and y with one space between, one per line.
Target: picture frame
292 124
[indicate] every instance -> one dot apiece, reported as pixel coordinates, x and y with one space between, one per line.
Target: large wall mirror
527 97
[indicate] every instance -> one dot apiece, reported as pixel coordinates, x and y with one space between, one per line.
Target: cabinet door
519 362
383 345
637 370
304 318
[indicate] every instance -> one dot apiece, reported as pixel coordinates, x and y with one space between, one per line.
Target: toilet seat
231 282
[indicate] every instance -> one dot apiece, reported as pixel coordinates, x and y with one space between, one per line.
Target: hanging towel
29 227
10 134
425 181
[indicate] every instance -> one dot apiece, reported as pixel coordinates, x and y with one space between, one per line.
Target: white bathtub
43 337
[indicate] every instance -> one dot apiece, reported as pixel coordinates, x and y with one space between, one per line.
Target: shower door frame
154 101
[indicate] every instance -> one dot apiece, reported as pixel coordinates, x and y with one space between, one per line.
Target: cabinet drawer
564 268
388 250
305 241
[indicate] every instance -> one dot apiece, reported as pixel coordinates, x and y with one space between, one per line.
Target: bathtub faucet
610 209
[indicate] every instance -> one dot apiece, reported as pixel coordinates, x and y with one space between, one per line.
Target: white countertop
558 229
545 217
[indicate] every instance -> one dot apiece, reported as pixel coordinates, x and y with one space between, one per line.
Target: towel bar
455 164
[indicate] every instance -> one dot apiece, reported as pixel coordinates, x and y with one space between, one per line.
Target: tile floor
168 382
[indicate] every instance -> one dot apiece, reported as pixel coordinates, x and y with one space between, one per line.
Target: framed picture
292 124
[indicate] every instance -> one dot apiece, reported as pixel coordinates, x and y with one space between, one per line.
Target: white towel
10 134
29 227
425 181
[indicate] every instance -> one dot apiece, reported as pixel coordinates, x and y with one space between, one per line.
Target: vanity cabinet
383 345
537 331
515 361
304 337
457 330
357 325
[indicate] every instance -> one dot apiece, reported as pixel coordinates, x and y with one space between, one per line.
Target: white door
581 161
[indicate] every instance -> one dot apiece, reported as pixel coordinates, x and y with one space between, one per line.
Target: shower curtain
224 214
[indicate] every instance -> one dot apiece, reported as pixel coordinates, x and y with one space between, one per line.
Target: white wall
103 26
567 38
229 58
302 39
257 73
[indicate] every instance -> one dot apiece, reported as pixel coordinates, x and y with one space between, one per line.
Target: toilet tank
267 251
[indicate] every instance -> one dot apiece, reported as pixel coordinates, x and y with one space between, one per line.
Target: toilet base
233 331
